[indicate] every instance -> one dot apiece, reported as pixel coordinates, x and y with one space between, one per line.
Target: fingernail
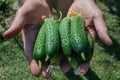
109 41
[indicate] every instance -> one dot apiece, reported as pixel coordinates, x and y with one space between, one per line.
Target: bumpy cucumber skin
52 37
88 52
39 47
65 35
56 57
78 36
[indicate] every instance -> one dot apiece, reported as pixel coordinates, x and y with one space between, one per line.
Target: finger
16 26
44 73
29 33
84 67
101 29
35 68
65 68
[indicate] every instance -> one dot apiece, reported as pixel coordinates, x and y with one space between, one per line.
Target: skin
28 20
94 23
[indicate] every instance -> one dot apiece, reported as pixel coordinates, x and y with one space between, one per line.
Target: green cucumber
65 35
73 62
54 58
52 37
88 51
39 47
78 36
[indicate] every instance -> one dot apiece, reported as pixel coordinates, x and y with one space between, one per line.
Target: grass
105 64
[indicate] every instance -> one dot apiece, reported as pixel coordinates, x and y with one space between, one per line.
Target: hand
94 22
28 19
93 17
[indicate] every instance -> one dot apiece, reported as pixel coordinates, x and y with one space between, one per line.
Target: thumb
16 26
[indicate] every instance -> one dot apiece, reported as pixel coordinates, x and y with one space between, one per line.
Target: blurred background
105 64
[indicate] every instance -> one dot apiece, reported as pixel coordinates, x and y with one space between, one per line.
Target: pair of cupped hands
28 20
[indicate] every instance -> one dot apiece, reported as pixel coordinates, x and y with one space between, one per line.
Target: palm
33 20
30 30
33 10
87 11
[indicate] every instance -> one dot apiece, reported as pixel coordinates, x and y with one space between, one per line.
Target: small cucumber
78 36
54 58
88 51
52 37
65 35
39 47
73 62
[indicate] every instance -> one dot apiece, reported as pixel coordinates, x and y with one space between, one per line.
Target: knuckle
103 31
106 30
98 14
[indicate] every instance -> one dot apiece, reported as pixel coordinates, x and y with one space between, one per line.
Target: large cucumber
88 51
78 36
39 47
65 35
52 37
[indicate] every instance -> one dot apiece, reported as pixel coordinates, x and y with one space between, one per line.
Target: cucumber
88 51
39 47
54 58
52 37
78 36
73 62
65 35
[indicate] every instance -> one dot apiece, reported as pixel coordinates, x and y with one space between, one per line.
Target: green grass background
105 64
